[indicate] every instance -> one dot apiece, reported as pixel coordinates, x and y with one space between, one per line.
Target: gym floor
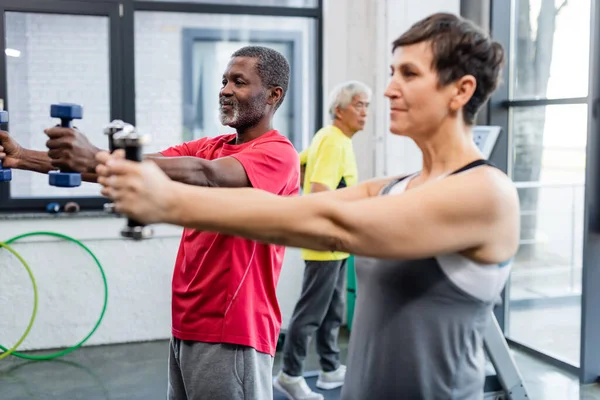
139 371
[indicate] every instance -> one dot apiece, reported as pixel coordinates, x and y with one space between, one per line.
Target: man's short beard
248 114
230 120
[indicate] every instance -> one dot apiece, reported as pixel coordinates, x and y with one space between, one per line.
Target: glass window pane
55 58
549 143
549 170
180 60
270 3
550 53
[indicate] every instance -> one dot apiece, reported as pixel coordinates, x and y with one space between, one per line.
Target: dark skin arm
303 159
223 172
70 149
302 172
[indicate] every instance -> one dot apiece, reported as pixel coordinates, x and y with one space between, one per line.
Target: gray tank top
419 324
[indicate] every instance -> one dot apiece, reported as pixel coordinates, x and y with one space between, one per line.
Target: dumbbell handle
111 144
135 229
132 224
110 207
66 123
110 131
3 120
133 153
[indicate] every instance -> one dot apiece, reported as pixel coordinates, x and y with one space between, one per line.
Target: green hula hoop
78 345
7 352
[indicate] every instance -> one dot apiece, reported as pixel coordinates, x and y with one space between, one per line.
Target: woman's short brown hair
459 48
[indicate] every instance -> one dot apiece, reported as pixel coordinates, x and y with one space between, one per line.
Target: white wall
70 284
139 274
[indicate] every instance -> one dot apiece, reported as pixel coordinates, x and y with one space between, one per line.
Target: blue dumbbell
5 173
67 113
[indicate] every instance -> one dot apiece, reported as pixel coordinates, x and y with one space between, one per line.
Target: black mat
311 379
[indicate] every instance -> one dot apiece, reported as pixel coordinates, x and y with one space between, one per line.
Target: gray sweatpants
320 308
218 371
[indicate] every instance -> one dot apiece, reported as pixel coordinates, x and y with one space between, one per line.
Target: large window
57 52
193 50
38 76
545 112
156 64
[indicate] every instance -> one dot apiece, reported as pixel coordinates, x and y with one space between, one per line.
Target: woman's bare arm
475 211
360 191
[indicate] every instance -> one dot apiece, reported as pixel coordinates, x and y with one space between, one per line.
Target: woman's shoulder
484 183
491 178
494 199
375 186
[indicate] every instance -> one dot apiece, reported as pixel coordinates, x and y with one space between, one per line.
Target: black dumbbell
5 173
116 126
67 113
133 143
110 130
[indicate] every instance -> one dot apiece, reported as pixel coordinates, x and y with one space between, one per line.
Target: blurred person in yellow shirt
327 164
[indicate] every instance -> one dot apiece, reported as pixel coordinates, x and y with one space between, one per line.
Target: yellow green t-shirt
330 161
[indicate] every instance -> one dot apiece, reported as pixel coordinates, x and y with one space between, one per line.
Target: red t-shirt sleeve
187 149
271 166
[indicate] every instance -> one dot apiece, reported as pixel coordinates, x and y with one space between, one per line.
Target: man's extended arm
69 149
38 161
222 172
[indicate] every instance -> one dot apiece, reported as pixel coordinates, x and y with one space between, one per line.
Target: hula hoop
78 345
7 352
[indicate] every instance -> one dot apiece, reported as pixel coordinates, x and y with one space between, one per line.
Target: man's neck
247 134
342 127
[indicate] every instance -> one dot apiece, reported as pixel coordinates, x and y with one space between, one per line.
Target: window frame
122 66
499 109
107 9
293 38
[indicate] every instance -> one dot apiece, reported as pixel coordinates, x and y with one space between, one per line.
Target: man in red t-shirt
226 317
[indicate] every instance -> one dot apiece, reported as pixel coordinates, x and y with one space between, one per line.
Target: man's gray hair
341 96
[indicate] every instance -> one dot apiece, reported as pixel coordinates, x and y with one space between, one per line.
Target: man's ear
338 112
275 95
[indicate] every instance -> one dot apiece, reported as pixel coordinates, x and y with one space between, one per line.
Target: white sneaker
295 387
333 379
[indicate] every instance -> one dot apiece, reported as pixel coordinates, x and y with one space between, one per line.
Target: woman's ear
464 88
